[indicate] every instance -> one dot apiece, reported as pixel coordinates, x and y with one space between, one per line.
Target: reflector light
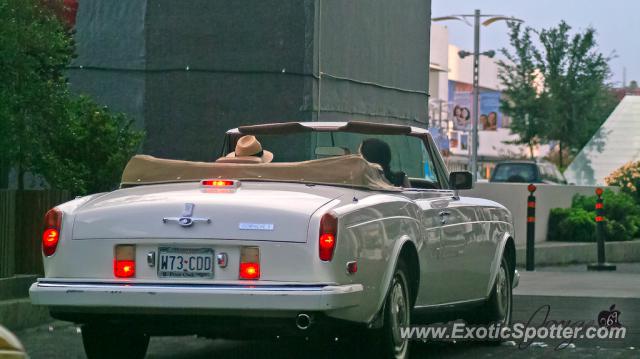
352 267
327 239
124 262
51 234
124 268
250 270
218 183
249 263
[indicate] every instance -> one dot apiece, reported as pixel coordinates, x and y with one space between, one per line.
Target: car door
451 269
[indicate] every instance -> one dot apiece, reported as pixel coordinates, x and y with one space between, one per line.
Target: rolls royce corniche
345 228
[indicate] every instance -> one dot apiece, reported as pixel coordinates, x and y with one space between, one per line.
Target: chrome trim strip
470 301
94 285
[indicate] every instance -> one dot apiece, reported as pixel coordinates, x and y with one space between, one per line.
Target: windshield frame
442 174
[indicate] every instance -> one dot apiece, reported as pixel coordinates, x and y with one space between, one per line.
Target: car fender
495 265
376 320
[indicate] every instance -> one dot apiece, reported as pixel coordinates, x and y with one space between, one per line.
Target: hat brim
266 157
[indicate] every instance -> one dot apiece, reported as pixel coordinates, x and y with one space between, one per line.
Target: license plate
176 262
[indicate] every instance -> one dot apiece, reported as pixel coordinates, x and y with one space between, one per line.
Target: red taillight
249 270
51 234
124 261
124 268
218 183
249 263
328 235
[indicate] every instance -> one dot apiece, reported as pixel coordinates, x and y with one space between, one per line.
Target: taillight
220 183
51 234
328 236
124 262
249 263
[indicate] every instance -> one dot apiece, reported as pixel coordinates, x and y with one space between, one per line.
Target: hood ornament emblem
186 219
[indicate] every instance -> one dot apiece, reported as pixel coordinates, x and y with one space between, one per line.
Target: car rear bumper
260 297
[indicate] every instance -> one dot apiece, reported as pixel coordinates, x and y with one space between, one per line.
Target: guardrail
21 214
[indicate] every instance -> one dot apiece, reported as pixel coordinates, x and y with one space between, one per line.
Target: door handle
443 216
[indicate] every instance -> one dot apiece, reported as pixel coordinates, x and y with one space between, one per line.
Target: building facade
451 104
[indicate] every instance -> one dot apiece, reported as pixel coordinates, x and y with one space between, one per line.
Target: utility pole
473 158
476 95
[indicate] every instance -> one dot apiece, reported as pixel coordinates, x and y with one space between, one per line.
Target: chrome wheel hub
503 295
399 312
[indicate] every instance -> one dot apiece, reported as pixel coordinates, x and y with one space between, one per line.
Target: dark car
527 172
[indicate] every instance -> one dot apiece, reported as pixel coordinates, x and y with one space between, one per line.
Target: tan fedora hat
248 150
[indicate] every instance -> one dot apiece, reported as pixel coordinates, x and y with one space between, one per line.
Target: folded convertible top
350 170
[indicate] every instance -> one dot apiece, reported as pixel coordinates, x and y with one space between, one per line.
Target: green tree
569 76
89 149
518 74
73 142
34 50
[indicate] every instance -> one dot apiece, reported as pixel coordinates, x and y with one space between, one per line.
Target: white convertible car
358 230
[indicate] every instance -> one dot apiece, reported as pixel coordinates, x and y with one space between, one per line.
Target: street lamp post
477 16
476 94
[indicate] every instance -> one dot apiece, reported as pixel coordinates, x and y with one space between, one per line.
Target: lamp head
463 54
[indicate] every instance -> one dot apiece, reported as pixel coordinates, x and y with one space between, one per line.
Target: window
408 153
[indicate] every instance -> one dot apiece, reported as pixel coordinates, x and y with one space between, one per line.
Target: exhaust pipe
303 321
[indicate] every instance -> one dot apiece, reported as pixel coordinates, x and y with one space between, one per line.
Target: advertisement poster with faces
461 100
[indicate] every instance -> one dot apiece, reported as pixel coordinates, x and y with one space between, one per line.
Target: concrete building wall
439 63
188 70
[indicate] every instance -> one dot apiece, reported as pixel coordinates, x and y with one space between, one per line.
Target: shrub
627 178
621 219
571 224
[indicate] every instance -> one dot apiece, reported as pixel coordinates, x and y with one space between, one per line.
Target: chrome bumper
195 296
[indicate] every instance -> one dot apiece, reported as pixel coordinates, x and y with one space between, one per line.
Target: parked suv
527 172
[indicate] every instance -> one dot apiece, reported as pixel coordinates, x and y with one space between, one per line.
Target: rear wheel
104 342
387 342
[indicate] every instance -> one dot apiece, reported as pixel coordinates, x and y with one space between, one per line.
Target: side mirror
460 180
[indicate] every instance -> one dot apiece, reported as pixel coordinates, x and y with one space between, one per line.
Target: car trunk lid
260 211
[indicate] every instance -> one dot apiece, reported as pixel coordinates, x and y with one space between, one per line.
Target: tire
104 342
498 308
386 342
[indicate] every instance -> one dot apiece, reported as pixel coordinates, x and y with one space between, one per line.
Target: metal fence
21 215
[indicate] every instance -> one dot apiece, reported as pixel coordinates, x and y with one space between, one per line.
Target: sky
617 23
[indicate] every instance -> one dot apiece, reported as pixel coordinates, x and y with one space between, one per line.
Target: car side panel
371 231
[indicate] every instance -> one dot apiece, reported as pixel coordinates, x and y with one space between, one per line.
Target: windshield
515 172
408 153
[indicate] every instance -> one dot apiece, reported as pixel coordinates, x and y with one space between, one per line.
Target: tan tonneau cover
351 170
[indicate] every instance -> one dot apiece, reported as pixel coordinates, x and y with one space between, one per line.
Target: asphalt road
63 340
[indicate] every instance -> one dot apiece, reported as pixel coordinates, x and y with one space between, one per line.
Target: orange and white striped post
602 264
531 228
